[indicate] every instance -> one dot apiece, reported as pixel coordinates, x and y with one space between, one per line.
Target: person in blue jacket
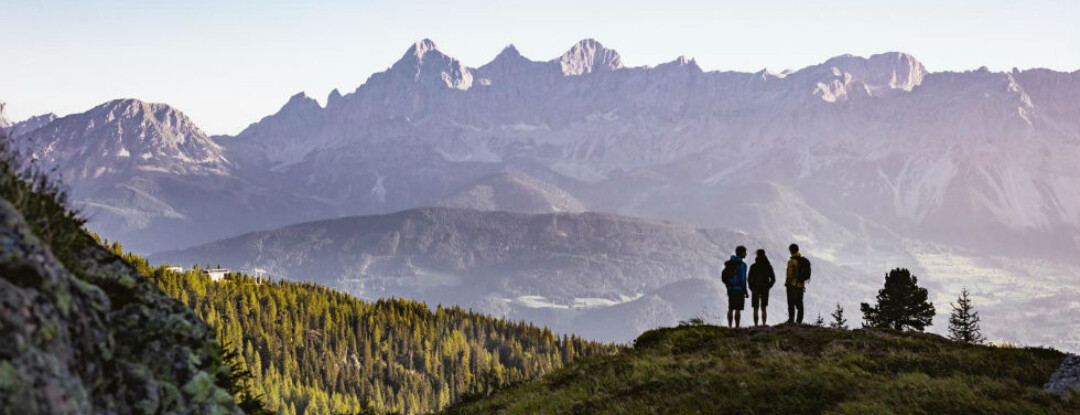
734 276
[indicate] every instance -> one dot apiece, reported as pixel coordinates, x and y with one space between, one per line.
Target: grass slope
791 370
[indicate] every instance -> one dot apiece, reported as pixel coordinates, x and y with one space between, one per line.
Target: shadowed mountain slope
513 192
549 268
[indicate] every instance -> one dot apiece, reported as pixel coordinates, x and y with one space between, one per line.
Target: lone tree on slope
901 304
964 321
838 320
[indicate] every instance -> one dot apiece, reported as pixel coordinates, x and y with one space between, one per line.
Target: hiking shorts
759 299
736 299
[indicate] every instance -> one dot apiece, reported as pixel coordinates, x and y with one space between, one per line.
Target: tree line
902 305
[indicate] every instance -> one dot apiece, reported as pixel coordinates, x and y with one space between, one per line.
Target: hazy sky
228 63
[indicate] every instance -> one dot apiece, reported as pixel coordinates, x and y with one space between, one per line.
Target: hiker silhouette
798 275
760 280
734 277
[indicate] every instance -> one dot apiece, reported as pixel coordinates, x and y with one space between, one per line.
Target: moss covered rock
88 334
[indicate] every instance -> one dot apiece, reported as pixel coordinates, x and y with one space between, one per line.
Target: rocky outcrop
4 121
1066 378
94 336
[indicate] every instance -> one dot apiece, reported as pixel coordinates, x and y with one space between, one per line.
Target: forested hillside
314 350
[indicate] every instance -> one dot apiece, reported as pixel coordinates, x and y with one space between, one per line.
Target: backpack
804 269
728 275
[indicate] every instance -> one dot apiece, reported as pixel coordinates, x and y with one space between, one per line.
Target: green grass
791 370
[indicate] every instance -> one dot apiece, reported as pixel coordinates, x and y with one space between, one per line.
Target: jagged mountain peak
682 62
301 101
279 134
509 62
588 56
421 48
30 124
424 63
128 105
508 56
149 114
423 51
510 51
124 134
880 72
334 98
896 59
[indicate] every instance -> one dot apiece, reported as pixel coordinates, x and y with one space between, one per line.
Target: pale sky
227 64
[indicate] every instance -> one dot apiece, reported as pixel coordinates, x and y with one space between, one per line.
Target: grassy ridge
791 370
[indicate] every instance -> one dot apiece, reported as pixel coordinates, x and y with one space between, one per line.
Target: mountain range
868 162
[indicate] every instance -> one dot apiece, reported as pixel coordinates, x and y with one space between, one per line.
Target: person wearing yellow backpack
798 274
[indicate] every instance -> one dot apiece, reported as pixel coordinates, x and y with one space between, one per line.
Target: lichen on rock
94 336
1066 378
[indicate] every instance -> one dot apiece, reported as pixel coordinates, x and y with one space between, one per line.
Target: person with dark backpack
798 274
734 277
761 279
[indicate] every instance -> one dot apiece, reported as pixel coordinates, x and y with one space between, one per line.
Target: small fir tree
901 304
964 321
820 322
838 320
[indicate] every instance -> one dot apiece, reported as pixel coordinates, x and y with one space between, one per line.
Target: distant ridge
563 270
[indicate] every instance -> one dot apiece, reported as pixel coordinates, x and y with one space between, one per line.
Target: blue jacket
740 275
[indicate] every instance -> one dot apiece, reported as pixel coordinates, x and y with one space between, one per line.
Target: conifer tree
820 322
964 321
901 304
838 320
